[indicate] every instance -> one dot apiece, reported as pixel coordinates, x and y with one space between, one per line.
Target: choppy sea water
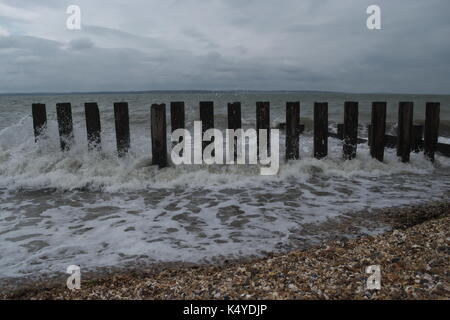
95 210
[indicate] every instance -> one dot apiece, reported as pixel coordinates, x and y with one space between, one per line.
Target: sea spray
95 210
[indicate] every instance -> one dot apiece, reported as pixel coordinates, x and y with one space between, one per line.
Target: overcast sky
225 45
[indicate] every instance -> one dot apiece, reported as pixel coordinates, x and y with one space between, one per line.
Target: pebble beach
414 257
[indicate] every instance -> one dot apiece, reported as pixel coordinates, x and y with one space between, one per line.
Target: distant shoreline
216 91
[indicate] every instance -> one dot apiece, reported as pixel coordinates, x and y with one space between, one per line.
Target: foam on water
25 164
93 209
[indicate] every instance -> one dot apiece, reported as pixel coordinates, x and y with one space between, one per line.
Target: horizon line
207 91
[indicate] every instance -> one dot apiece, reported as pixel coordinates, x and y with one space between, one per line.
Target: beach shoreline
333 269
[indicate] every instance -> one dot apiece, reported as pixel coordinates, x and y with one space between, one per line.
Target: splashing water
94 209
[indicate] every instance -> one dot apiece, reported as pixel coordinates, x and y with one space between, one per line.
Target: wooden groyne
410 137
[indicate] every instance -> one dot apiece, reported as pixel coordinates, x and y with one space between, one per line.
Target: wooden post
207 119
177 115
320 130
263 123
301 128
159 135
378 130
350 130
93 125
405 130
39 119
234 122
234 116
65 125
431 129
340 131
292 130
122 128
417 139
177 119
369 134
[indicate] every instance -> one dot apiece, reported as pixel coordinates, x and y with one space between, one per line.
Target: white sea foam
25 164
125 210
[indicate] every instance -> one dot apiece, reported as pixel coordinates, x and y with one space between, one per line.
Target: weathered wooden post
207 119
263 123
378 130
234 116
320 130
39 119
292 130
418 138
340 131
350 130
431 129
405 130
122 121
301 128
159 135
65 125
93 125
177 115
177 118
369 134
234 122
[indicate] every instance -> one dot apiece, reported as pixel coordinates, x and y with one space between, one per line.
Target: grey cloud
200 38
265 45
125 69
81 44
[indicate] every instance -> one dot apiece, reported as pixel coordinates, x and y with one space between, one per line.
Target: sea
96 210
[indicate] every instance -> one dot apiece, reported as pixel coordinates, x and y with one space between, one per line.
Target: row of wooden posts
409 136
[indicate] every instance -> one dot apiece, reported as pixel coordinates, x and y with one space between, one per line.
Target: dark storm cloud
80 44
225 44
